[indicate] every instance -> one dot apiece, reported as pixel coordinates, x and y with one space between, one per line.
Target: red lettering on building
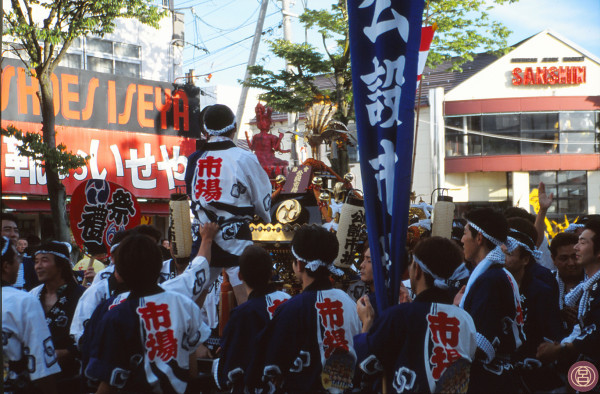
563 75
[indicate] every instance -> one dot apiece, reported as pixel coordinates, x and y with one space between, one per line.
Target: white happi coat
25 334
228 185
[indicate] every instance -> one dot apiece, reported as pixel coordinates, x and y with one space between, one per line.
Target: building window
577 134
104 56
569 189
505 125
555 132
538 126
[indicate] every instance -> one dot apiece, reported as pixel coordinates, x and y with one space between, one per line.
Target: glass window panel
455 138
127 50
71 60
541 122
567 191
572 177
548 177
507 125
99 64
76 43
537 147
127 69
577 121
474 141
577 142
97 45
573 206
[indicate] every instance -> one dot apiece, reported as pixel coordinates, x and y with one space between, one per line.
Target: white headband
221 131
573 226
114 247
58 254
485 235
438 280
314 264
5 248
513 243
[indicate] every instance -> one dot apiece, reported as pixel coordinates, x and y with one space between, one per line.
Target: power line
191 61
521 139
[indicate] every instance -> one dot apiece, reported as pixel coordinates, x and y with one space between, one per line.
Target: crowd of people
499 309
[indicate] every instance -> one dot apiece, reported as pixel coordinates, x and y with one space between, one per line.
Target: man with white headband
415 343
584 341
539 301
308 345
492 298
59 294
228 186
27 348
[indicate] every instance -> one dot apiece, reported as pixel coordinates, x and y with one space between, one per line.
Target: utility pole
252 59
287 36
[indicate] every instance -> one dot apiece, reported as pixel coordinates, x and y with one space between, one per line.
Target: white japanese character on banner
118 161
134 163
94 161
16 166
171 166
388 89
84 170
377 27
384 166
37 175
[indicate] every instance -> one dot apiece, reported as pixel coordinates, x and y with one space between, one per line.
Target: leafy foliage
45 29
294 89
33 146
47 39
464 28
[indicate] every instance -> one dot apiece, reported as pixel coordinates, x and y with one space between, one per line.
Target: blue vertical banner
385 37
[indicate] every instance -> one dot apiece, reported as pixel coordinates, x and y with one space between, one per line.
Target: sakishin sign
137 132
562 75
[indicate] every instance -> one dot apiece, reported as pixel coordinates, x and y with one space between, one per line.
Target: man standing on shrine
228 186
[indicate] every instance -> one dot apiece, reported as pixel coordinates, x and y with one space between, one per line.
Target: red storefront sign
569 75
151 166
137 132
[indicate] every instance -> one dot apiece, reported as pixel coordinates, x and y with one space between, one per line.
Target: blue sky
225 27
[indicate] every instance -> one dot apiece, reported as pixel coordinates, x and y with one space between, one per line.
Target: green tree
292 90
464 28
45 29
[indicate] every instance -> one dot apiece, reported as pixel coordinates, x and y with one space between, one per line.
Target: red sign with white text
148 165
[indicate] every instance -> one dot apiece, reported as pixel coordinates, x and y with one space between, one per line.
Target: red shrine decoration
265 144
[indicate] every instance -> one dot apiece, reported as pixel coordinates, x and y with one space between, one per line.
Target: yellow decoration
552 227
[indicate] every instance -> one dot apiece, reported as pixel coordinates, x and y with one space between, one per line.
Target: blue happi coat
416 342
239 341
498 318
311 333
142 344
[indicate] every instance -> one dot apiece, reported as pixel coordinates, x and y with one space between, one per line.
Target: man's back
307 335
417 342
227 185
141 336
